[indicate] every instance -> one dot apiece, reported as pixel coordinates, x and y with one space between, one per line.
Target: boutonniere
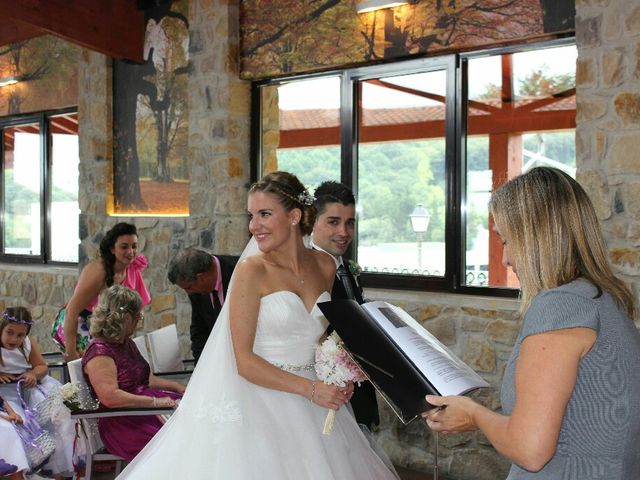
354 268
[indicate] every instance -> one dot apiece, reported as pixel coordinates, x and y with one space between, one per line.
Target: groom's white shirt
337 260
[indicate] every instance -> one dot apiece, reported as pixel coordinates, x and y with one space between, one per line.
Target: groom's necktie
343 275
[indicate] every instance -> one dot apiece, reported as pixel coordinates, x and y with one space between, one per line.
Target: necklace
298 277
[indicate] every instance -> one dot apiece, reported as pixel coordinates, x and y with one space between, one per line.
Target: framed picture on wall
150 118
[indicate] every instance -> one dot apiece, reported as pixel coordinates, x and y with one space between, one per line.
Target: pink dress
133 280
126 436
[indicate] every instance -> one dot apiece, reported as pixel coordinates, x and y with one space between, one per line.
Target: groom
333 233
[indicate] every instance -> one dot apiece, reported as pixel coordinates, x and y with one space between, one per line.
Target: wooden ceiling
113 27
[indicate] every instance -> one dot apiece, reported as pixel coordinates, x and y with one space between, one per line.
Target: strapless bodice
286 332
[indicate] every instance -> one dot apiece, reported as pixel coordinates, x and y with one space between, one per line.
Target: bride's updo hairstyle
291 194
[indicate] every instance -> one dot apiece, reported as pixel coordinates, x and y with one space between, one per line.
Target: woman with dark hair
118 264
254 407
571 389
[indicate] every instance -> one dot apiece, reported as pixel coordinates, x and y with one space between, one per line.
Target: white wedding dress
227 428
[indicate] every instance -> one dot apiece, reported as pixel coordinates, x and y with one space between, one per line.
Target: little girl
20 359
11 450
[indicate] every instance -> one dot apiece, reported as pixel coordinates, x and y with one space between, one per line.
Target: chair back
90 426
164 347
141 343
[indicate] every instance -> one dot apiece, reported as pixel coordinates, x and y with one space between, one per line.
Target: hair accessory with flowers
11 318
305 198
334 366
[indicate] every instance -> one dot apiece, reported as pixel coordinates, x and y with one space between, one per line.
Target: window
520 113
423 143
39 199
301 131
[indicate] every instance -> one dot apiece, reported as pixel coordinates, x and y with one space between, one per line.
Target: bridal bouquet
334 366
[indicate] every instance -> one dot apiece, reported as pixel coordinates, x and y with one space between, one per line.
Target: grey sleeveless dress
600 433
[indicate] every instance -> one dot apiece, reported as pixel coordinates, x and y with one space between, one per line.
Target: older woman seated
121 377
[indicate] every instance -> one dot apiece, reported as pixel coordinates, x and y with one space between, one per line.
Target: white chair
164 347
95 451
141 343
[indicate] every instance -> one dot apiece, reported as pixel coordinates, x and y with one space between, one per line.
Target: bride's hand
331 396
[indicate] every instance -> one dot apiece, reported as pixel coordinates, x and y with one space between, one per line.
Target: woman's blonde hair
554 235
109 318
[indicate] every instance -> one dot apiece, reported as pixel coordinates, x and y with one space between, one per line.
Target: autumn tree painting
151 117
46 69
281 37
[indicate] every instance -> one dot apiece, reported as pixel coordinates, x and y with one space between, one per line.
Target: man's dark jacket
203 313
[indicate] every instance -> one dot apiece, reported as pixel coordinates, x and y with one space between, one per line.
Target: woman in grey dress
571 389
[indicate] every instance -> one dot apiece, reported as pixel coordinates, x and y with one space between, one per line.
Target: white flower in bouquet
334 366
77 397
69 391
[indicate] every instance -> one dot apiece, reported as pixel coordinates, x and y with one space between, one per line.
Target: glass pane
64 188
301 129
22 177
521 114
401 174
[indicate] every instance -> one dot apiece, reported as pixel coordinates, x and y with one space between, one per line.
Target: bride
253 407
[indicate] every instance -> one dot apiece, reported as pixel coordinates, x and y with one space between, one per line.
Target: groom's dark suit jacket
364 403
203 313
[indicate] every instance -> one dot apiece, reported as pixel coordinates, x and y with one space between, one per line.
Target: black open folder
398 374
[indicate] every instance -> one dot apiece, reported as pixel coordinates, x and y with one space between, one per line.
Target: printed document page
446 372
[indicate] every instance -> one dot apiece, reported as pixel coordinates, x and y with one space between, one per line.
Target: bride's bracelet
313 391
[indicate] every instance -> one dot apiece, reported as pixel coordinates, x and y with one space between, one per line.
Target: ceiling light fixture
8 81
365 6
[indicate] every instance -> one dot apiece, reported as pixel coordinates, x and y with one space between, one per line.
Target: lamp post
419 223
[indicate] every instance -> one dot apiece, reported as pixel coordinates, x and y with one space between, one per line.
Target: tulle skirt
277 436
60 461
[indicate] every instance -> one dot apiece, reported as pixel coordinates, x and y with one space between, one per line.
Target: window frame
455 65
44 121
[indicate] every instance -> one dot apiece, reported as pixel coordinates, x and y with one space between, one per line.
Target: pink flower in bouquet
334 366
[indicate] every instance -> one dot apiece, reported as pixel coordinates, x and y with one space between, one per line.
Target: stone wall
218 156
480 329
608 123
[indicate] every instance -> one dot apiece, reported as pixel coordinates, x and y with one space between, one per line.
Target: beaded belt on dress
287 367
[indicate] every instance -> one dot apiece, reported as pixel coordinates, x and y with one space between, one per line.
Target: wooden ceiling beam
64 125
13 32
113 27
477 125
